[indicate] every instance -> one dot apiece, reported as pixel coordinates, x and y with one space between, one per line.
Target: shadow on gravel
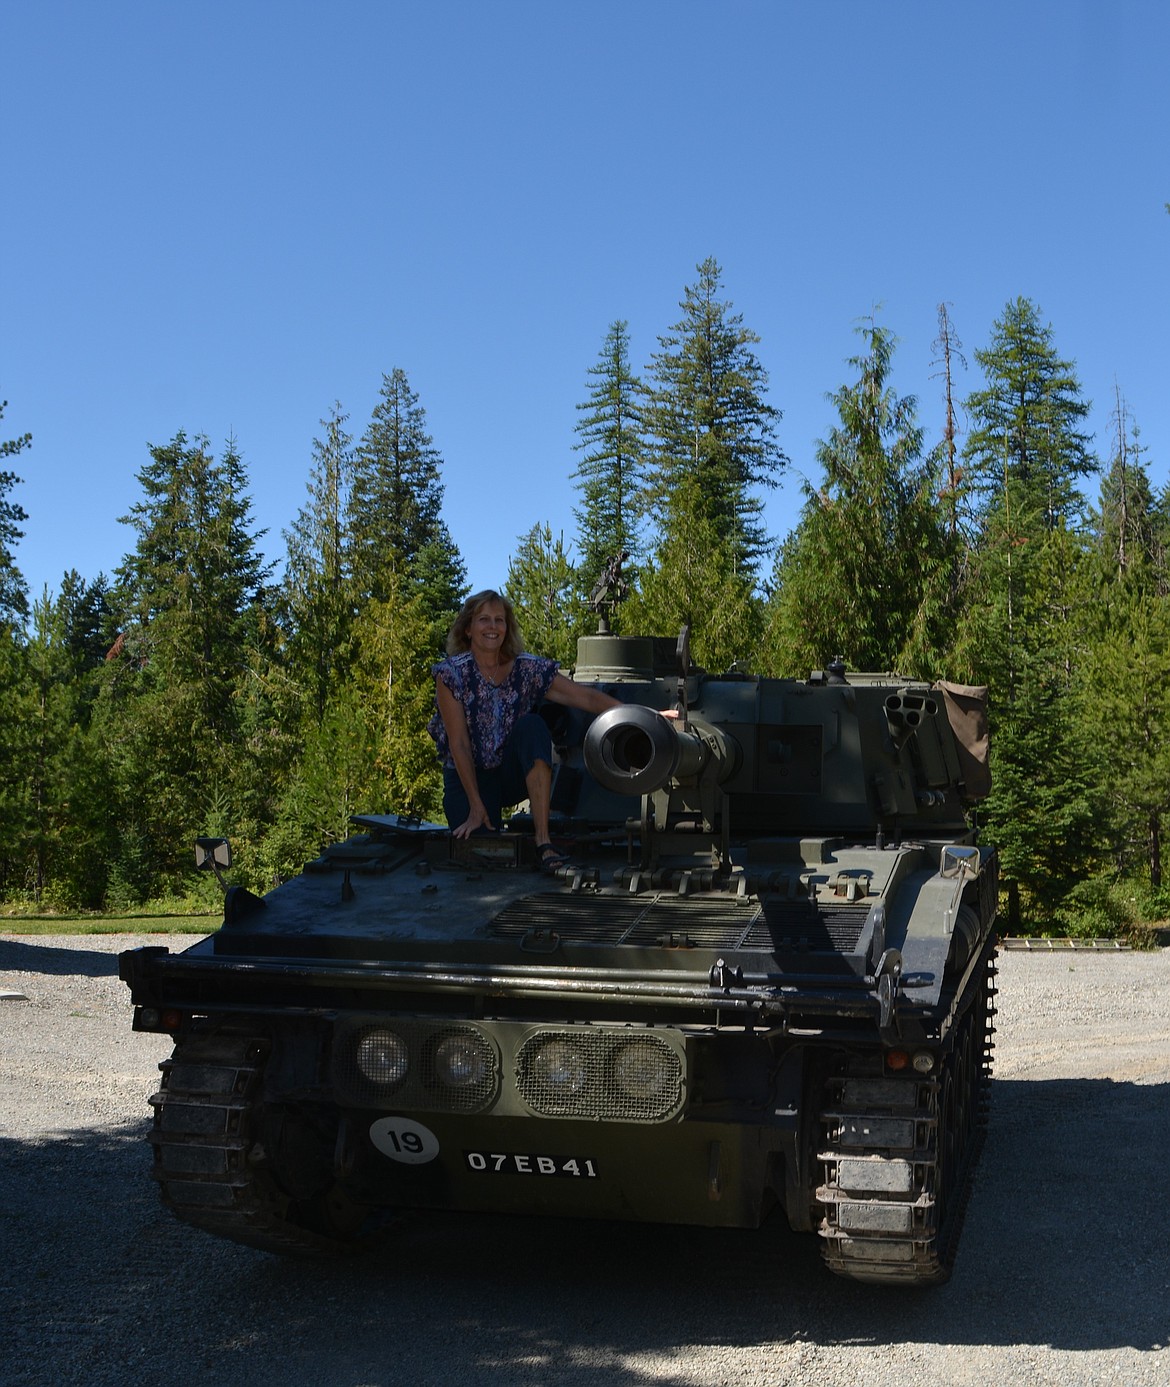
20 957
1063 1247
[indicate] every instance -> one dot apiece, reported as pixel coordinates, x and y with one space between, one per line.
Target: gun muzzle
634 751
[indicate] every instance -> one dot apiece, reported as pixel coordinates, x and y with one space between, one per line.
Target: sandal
549 858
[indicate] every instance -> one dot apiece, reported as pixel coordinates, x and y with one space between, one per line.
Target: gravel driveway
1063 1276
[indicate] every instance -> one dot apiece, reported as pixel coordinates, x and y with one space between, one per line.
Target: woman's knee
531 741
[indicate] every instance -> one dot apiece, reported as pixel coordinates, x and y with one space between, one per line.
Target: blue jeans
530 741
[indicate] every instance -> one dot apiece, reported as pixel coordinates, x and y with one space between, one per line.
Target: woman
495 748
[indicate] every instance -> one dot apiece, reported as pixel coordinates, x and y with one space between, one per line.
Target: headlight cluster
455 1068
614 1074
600 1074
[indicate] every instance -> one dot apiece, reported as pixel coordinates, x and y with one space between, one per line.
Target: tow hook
887 976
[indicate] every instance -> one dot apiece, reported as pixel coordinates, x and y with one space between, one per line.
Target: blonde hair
459 636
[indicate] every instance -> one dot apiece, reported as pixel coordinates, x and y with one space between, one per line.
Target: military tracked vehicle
763 982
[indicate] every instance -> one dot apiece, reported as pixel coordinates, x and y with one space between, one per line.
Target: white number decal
403 1140
524 1163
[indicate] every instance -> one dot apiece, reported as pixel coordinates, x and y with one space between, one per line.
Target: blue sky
222 217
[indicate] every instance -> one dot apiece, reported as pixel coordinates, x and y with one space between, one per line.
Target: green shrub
1152 902
1097 908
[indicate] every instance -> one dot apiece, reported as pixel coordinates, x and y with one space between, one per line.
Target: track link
208 1157
899 1153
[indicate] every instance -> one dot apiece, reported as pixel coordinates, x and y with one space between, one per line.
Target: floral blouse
491 711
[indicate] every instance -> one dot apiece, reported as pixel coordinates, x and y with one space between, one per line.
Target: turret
736 759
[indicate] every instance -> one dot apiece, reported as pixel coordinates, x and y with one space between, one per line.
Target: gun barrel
633 750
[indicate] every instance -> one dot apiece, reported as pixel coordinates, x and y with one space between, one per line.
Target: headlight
560 1066
382 1058
643 1070
462 1061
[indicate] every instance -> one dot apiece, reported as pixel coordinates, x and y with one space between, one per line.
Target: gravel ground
1063 1276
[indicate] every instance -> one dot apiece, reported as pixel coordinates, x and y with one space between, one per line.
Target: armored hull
765 978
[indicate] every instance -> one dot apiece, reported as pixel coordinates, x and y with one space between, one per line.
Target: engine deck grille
771 925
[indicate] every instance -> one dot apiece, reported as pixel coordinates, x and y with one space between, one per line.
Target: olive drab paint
763 976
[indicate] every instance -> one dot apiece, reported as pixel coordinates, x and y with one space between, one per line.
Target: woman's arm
586 696
459 742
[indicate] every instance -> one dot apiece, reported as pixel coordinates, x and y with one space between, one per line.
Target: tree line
199 691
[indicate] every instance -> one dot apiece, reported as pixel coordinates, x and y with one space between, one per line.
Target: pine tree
397 495
866 574
196 560
1044 811
1026 457
1119 698
17 753
692 581
710 424
1131 523
15 689
13 589
373 582
331 780
72 833
947 343
317 599
398 697
192 597
544 586
1120 677
439 578
87 620
609 474
1026 448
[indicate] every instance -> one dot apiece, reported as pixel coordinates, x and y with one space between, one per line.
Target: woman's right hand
478 818
459 742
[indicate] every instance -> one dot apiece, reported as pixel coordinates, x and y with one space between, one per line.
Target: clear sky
221 217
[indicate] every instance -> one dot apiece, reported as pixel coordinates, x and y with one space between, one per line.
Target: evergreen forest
199 690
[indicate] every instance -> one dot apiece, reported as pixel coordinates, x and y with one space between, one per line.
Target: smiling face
490 613
489 626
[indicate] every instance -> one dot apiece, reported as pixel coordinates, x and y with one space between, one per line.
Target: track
899 1154
211 1161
